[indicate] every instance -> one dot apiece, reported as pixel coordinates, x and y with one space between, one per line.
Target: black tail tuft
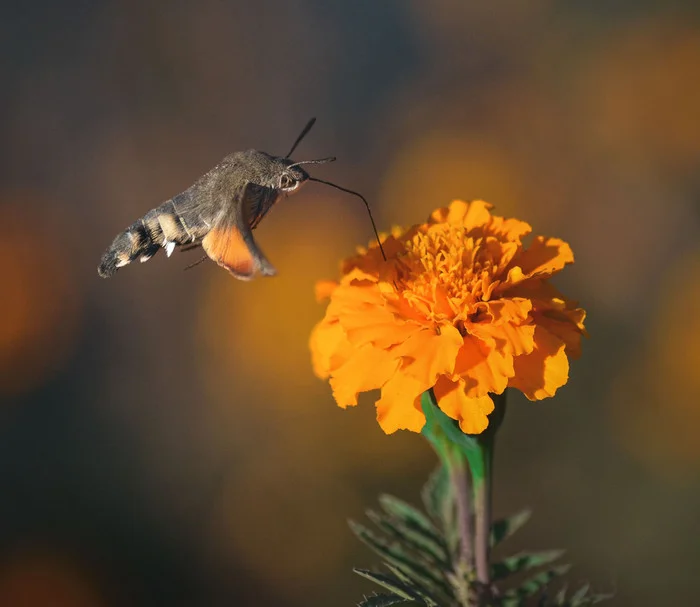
132 243
108 265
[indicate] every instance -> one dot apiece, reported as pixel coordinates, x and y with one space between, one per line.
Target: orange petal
428 354
506 323
567 325
324 289
354 299
329 347
511 230
381 334
366 369
399 406
459 213
511 310
470 412
544 257
516 339
540 373
483 367
476 214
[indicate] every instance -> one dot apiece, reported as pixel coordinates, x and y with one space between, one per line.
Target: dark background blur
162 438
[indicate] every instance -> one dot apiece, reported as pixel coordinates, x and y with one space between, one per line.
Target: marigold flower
461 305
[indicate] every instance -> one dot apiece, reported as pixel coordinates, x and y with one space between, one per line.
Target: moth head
291 179
292 176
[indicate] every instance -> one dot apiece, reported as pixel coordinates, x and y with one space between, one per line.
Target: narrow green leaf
560 598
415 527
383 600
439 501
504 528
522 562
437 495
599 598
395 554
430 548
579 597
430 601
401 510
515 597
390 583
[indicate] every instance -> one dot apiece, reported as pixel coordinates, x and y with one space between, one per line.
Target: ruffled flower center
446 270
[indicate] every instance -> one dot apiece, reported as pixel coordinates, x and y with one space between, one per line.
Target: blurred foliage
421 553
145 418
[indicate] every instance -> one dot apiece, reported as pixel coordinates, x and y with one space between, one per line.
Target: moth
219 213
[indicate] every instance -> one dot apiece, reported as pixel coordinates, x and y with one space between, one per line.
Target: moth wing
230 241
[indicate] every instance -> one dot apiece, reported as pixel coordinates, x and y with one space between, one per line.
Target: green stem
481 466
469 460
482 510
460 480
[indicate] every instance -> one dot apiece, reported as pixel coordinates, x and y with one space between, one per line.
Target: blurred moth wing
230 241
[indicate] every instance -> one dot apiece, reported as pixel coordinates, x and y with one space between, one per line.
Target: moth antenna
361 197
303 134
319 161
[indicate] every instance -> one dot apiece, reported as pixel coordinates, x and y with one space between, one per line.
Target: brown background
162 438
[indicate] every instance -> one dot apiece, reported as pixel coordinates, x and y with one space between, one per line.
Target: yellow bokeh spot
656 404
260 329
442 166
643 94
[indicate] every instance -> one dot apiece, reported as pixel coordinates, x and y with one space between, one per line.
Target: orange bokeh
39 309
444 165
656 411
642 95
38 579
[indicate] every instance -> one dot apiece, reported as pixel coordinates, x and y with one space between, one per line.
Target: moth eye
287 181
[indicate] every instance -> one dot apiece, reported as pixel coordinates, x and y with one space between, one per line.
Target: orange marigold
460 305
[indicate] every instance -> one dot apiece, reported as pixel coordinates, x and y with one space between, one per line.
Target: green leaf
395 554
579 597
522 562
516 596
427 599
560 598
437 495
439 502
391 584
439 427
504 528
405 512
599 598
383 600
428 545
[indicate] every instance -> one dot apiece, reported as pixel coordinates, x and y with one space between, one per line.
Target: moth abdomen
162 227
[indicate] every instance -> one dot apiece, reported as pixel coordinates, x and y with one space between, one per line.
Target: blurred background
162 438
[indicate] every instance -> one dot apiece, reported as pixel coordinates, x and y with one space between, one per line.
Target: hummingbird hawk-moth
219 213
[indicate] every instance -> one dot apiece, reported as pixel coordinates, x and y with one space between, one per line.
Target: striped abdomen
172 223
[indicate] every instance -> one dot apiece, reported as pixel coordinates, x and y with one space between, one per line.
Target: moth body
218 212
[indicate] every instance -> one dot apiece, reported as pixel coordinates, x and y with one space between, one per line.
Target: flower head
460 305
